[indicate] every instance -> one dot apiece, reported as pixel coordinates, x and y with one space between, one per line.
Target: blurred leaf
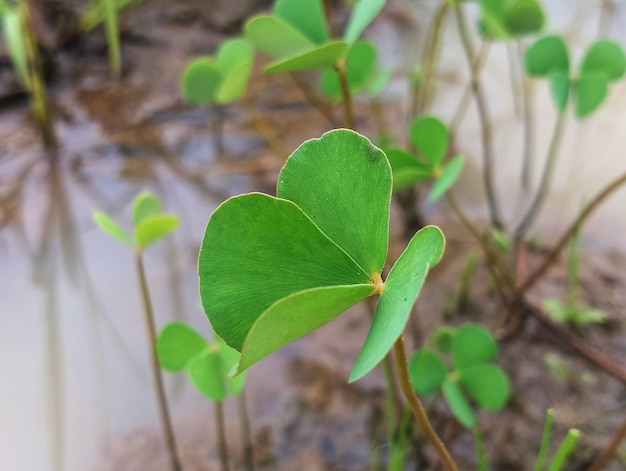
547 56
379 81
363 14
207 374
427 371
441 339
604 57
230 359
458 404
319 57
524 17
307 16
430 136
14 40
472 345
145 204
591 90
111 227
406 169
563 452
557 310
559 89
276 37
177 344
234 83
487 384
153 228
449 175
232 53
359 66
201 80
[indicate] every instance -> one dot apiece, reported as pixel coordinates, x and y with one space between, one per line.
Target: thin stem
609 452
511 56
529 132
166 423
217 128
546 177
313 98
606 12
402 368
265 130
246 436
222 449
348 111
483 114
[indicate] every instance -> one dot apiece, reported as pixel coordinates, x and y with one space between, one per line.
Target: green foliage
221 79
179 346
431 138
604 62
471 376
508 19
15 42
564 450
359 65
273 269
149 222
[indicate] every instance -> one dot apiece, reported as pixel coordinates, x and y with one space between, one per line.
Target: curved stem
402 367
483 114
154 364
546 177
345 94
313 98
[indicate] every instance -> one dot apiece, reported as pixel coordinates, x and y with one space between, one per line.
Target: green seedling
566 373
510 19
472 375
150 224
561 455
603 63
431 138
179 347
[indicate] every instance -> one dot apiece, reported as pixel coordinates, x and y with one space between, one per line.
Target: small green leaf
441 339
547 56
559 89
359 66
319 57
583 315
230 358
524 17
402 287
604 57
145 204
232 53
449 175
406 169
458 404
307 16
14 40
153 228
111 227
472 345
207 374
363 14
591 90
177 344
275 37
234 83
200 81
430 136
427 371
487 384
557 310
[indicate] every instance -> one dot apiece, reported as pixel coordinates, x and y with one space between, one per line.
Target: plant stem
609 452
314 99
113 36
345 94
529 133
402 368
545 441
217 129
264 130
246 436
483 114
154 364
546 177
221 435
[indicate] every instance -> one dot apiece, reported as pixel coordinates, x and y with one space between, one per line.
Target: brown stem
166 423
248 456
609 452
529 132
402 368
222 449
314 99
345 94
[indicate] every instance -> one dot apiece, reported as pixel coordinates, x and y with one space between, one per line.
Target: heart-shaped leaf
406 169
591 90
363 14
604 57
275 37
307 16
441 339
230 358
487 384
458 404
524 17
201 80
427 371
448 176
207 374
145 204
111 227
547 56
319 57
235 59
359 66
402 287
177 344
472 345
559 89
430 136
153 228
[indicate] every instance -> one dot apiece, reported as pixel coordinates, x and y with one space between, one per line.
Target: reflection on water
72 343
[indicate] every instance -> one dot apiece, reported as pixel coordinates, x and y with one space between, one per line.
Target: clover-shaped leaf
472 345
504 19
604 57
273 269
359 66
546 56
178 343
487 384
407 170
427 371
458 403
430 136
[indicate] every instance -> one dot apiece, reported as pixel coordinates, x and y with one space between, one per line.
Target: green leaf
153 228
207 374
111 227
472 345
604 57
427 371
232 53
258 250
557 310
145 204
378 82
458 404
307 16
591 90
276 37
406 169
441 339
547 56
586 315
487 384
430 136
360 63
363 14
559 89
343 183
177 344
449 175
564 450
234 83
201 80
524 17
320 57
230 358
401 289
14 39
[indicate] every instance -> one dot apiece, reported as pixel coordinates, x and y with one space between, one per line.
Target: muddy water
76 394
